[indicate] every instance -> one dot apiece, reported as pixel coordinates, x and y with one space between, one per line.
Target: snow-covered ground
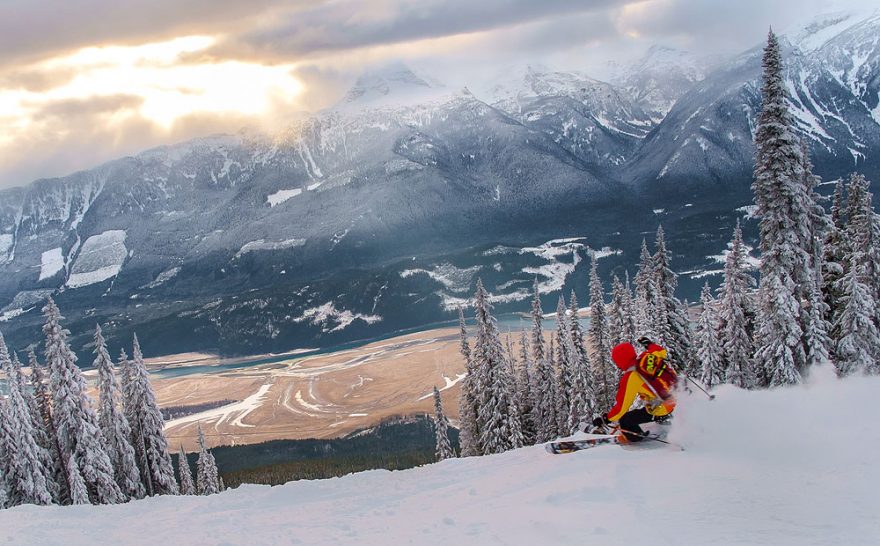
795 466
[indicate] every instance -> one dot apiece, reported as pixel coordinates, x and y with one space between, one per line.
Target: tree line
57 448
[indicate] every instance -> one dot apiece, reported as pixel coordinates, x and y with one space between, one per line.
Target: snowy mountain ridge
405 167
741 480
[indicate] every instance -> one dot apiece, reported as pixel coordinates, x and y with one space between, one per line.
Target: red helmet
624 355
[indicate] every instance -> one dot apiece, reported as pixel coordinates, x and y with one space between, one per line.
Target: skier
647 376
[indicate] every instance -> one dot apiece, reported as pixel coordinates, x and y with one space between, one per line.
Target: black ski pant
630 422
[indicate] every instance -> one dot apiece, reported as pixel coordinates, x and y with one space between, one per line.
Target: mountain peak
812 34
387 85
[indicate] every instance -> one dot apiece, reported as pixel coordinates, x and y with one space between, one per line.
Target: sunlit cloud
171 81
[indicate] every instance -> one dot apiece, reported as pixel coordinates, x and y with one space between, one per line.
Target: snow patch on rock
281 196
331 319
51 262
263 245
101 257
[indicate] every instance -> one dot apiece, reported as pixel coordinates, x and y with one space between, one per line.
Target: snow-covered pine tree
784 208
861 233
857 349
76 423
28 480
564 379
544 380
44 429
114 425
734 316
4 496
498 417
148 429
670 314
441 430
545 398
187 487
581 402
468 436
524 396
709 350
836 251
6 452
208 478
79 493
604 371
618 320
645 296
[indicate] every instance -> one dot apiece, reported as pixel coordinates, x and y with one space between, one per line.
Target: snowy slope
783 467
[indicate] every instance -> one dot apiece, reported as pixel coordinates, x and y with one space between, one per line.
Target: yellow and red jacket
633 385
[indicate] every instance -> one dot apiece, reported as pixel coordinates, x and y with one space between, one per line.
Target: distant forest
395 444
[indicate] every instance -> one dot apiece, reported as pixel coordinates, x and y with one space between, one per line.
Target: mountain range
380 213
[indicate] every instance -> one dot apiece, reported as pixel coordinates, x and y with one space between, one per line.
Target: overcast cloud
63 111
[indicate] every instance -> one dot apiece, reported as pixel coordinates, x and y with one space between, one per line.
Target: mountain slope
742 480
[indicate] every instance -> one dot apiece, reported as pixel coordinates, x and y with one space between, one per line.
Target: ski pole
673 444
711 396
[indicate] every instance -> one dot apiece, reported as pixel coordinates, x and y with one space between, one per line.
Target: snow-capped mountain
833 90
660 78
228 241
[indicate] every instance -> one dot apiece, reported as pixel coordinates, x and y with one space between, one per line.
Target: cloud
64 108
353 24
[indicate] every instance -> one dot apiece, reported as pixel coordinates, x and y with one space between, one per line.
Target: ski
578 445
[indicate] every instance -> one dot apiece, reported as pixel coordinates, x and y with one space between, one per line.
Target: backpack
655 369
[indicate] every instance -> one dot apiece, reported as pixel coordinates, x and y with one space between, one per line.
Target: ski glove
599 421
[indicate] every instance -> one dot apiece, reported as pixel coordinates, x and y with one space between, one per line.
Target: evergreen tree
187 487
709 350
581 402
784 209
604 371
80 441
621 326
538 353
525 397
498 417
646 296
148 429
733 314
834 259
79 493
468 437
545 399
564 379
27 478
858 347
441 430
670 314
114 425
208 479
44 428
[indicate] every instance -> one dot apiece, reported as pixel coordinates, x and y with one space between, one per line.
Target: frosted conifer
525 397
79 494
45 430
114 425
27 477
76 423
733 313
859 344
784 210
498 417
564 379
187 487
709 350
645 296
148 429
468 436
581 401
208 479
604 371
441 430
670 314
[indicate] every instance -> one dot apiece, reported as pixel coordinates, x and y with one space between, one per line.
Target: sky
88 81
